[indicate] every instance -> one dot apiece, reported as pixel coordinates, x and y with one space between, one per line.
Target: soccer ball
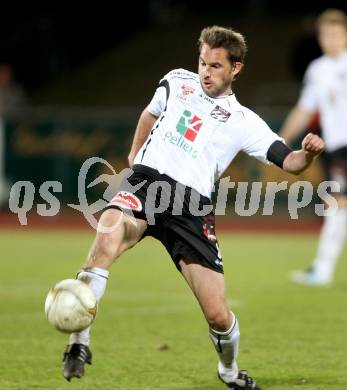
70 306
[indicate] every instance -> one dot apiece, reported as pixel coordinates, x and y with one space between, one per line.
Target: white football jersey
325 91
196 137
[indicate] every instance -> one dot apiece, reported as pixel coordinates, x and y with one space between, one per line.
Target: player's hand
313 145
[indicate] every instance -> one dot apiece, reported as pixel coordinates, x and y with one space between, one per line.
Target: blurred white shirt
325 91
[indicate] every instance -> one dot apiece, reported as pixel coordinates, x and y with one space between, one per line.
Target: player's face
332 39
216 71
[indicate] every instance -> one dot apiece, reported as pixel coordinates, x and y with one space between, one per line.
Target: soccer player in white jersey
185 138
325 92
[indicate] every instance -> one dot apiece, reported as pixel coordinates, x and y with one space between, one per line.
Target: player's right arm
149 117
143 128
302 114
296 122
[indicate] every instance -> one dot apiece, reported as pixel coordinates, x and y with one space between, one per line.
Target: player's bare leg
209 288
331 241
105 249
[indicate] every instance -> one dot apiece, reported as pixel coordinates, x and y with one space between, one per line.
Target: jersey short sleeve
158 102
308 98
258 139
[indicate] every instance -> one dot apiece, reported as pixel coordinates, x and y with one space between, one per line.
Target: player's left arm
296 161
261 142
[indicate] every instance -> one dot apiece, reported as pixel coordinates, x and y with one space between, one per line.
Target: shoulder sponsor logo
186 90
126 200
220 114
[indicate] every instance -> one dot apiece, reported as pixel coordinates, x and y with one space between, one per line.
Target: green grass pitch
150 334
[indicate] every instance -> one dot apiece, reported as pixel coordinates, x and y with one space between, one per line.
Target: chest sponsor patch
126 200
220 114
189 125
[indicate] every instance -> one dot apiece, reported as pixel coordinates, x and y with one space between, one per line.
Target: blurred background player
325 92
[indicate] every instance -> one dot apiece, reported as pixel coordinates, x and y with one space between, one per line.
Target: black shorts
170 210
335 165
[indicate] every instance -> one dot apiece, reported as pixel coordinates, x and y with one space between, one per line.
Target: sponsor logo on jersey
189 125
220 114
181 143
126 200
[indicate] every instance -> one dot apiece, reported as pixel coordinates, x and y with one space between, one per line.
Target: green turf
292 337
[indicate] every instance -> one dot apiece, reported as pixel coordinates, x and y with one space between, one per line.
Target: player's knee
109 237
111 220
219 319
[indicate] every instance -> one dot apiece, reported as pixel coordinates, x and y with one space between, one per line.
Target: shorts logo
219 262
208 228
189 125
220 114
126 200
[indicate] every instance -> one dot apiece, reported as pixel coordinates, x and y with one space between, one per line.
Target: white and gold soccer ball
71 306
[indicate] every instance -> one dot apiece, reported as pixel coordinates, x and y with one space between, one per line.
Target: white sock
331 241
227 347
97 279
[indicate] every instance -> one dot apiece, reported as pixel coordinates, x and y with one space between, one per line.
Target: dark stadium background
44 45
86 73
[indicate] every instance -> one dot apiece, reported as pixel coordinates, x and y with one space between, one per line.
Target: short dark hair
332 16
227 38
